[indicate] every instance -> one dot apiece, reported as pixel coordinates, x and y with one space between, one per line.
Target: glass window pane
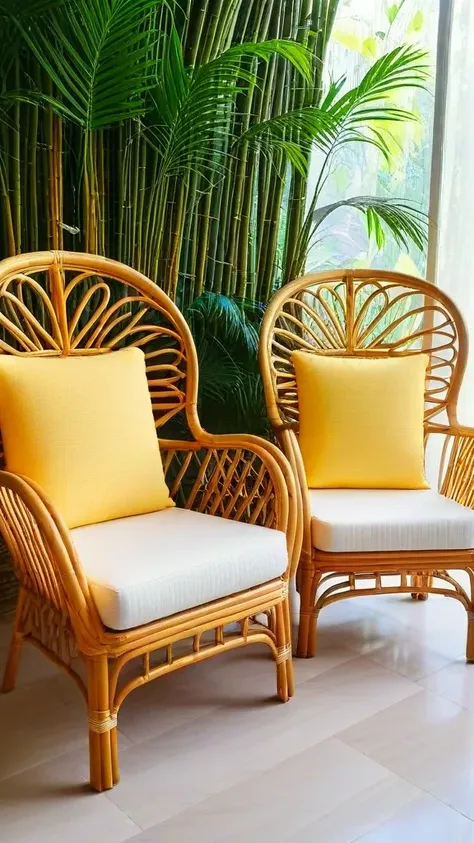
364 31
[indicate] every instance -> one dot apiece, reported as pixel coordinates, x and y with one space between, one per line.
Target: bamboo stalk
121 178
8 216
141 202
33 205
16 162
101 193
177 244
322 13
226 238
203 239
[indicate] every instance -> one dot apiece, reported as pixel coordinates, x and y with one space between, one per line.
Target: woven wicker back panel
362 314
73 304
66 304
8 581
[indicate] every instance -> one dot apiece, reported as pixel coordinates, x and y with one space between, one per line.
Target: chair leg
283 656
307 633
306 612
14 652
421 581
289 664
102 726
470 637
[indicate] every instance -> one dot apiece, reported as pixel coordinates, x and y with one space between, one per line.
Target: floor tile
455 682
427 740
397 644
35 724
279 804
425 819
50 803
164 776
33 665
359 814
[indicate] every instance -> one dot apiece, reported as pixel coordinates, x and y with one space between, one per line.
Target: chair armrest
457 464
244 478
45 561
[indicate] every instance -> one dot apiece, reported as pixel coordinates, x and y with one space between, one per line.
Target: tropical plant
120 119
176 136
226 333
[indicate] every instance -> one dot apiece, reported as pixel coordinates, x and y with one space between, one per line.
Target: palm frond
296 133
361 113
403 221
189 121
230 389
233 322
100 56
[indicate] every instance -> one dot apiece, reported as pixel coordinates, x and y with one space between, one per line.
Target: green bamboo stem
158 226
16 162
262 24
164 257
141 201
91 194
58 151
8 215
101 191
33 177
135 190
128 243
173 276
121 179
188 237
188 251
323 13
197 32
150 207
214 35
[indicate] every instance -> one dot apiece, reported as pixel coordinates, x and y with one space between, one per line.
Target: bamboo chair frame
372 313
63 303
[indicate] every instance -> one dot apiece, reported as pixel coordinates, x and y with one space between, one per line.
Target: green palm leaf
296 133
359 115
226 333
365 112
403 221
189 121
100 57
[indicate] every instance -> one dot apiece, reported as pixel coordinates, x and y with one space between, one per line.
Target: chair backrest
362 313
68 303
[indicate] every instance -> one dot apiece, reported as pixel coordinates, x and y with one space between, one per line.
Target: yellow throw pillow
83 428
361 420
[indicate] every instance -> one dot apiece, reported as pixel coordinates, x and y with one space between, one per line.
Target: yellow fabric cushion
361 420
83 428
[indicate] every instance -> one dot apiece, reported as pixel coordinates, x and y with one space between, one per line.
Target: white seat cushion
150 566
353 520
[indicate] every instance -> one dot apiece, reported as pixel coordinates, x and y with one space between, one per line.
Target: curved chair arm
46 564
457 463
241 477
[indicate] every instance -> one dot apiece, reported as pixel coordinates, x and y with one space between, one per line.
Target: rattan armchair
54 303
375 313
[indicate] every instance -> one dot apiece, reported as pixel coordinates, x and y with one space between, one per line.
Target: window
364 30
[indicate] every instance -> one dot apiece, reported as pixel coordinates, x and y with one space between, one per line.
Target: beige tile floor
377 745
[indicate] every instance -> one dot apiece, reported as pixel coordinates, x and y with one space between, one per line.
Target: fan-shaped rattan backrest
68 303
362 313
